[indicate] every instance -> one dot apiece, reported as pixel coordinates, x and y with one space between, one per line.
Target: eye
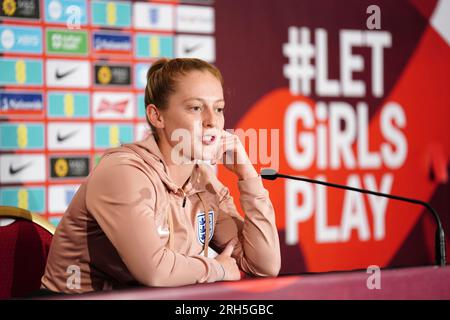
220 110
196 108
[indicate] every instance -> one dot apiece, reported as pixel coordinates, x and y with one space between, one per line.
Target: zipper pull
184 197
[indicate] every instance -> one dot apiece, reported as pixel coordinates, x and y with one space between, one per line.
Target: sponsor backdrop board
353 92
72 80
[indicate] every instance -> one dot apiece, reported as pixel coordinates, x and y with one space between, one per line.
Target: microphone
439 241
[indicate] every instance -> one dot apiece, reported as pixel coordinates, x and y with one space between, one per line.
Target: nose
209 118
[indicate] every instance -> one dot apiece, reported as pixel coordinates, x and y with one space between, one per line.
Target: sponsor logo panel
21 136
20 9
111 43
21 72
29 198
22 168
21 103
113 105
60 41
150 16
112 135
60 197
153 46
66 11
68 105
195 19
112 75
69 136
14 39
192 46
111 14
62 167
68 73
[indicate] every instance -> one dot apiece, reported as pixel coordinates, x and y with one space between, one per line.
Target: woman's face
194 119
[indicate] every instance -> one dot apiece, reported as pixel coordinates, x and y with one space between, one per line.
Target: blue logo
21 103
20 39
153 14
201 226
111 43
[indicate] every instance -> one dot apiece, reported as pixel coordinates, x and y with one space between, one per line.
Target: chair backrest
25 240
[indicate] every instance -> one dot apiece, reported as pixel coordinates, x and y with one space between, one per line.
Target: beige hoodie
129 224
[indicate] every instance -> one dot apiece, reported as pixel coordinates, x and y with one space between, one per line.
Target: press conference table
425 282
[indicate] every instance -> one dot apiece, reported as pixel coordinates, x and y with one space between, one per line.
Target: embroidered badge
201 226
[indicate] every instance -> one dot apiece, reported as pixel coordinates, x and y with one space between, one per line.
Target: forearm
170 269
260 243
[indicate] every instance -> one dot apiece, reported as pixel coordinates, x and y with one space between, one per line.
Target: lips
209 139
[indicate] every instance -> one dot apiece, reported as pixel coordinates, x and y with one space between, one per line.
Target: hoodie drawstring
206 243
171 232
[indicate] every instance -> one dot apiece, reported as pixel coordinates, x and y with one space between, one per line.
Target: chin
205 156
205 153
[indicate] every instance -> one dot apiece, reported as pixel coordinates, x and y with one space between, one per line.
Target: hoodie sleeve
257 251
121 198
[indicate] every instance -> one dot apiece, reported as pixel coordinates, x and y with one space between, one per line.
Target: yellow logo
68 104
61 167
21 71
111 13
104 75
154 46
22 198
9 7
22 134
114 136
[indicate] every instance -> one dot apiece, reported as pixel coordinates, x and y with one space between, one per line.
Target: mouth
208 139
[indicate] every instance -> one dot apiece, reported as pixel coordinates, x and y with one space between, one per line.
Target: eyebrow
202 100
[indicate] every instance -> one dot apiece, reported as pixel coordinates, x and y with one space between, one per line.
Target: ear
154 116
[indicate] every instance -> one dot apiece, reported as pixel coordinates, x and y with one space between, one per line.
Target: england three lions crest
201 226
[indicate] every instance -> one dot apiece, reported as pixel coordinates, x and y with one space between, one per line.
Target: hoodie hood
149 151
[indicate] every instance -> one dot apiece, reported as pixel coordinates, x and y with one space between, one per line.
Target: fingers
228 152
233 241
228 250
230 247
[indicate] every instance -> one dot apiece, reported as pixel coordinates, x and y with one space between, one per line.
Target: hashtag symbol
299 50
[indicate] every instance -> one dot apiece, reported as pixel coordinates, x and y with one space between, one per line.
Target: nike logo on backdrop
192 48
62 138
13 171
59 75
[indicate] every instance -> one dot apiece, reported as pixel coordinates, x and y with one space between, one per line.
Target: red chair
25 240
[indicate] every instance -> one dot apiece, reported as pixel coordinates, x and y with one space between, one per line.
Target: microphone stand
439 241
